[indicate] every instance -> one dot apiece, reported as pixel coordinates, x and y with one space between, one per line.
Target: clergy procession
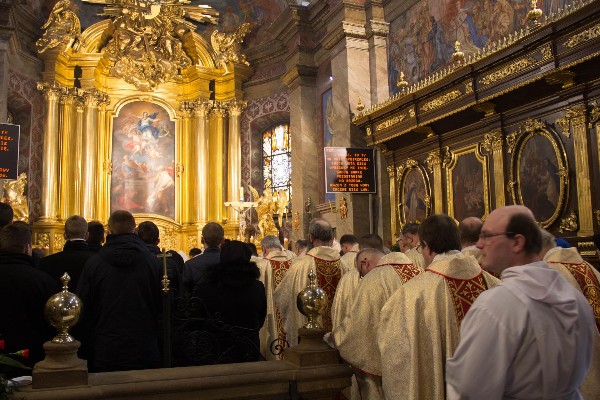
499 309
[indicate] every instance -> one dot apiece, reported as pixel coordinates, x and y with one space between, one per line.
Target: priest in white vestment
584 277
412 242
540 327
356 336
322 259
276 262
419 324
468 230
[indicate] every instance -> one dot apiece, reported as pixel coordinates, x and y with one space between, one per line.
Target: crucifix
165 278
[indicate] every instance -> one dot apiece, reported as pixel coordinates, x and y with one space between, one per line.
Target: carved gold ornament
61 29
582 37
146 40
441 100
511 69
390 122
14 195
569 223
227 46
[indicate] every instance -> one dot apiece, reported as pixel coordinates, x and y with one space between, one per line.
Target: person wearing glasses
419 324
530 337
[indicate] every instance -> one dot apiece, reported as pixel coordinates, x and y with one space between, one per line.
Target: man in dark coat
74 255
149 233
23 293
95 237
195 268
120 291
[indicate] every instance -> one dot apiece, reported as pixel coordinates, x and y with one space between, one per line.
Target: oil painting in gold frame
467 184
415 194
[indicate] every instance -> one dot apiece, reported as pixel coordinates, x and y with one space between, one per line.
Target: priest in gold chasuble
356 336
325 261
419 326
569 263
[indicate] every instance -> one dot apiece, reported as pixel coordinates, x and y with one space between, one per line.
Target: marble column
201 161
492 144
377 33
577 116
434 163
234 157
50 170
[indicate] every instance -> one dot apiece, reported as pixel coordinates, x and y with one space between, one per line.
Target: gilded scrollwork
584 36
390 171
192 241
492 141
597 212
411 112
59 241
14 195
409 163
368 130
107 166
43 240
61 29
511 141
506 71
433 159
448 157
396 119
441 100
569 223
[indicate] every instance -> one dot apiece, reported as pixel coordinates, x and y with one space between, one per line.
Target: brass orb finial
62 311
360 106
458 56
401 83
312 302
534 14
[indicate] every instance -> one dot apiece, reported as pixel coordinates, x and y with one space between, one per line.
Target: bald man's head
320 232
469 229
367 259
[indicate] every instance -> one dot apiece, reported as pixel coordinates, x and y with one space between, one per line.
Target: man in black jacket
95 237
194 270
74 255
149 233
120 291
23 293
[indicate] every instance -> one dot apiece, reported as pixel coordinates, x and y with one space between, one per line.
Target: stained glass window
277 160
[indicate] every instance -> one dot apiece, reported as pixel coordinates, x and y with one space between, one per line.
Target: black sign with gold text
9 150
349 170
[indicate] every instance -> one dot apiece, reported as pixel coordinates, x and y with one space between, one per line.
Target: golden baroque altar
143 114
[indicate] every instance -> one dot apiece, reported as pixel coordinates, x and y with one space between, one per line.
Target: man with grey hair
74 255
585 278
322 259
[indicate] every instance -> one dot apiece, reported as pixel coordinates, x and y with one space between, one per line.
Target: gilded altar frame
517 145
402 172
453 159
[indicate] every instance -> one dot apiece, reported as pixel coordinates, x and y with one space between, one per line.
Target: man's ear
519 245
86 236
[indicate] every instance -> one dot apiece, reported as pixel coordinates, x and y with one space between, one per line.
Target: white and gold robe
473 251
586 279
356 336
416 257
419 325
325 261
349 260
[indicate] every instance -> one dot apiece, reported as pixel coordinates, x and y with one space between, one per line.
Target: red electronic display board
349 170
9 150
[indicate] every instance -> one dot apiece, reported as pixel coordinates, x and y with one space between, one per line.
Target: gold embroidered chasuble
419 326
325 261
473 251
344 296
356 337
586 278
416 257
349 260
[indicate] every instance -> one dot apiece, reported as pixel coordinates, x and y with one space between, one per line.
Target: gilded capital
433 160
201 107
492 141
594 112
236 107
390 170
576 114
51 91
219 111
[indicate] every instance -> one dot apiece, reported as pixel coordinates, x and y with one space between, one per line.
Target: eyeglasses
486 235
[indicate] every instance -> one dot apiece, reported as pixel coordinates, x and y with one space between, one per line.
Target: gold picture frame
467 184
414 192
539 178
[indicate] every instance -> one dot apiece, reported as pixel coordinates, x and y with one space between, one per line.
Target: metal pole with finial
166 323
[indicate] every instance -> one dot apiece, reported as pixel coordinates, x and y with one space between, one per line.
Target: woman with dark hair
235 302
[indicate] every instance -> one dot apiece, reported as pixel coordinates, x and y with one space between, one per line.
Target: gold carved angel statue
266 206
227 46
62 28
15 197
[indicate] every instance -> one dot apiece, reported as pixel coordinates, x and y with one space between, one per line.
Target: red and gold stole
279 268
464 292
406 271
328 275
588 283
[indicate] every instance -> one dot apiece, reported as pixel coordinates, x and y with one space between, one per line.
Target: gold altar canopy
143 114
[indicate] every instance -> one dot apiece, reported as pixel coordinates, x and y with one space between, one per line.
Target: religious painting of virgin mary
143 154
468 187
538 176
414 193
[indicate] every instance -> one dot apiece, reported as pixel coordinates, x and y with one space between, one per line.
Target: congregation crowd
477 310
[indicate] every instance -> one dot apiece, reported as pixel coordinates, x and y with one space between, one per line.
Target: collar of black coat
233 274
16 258
76 245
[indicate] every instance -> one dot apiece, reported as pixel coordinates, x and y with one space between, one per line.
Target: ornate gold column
185 145
77 159
67 148
201 162
434 163
234 153
216 146
90 146
103 197
393 200
50 170
576 116
492 144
